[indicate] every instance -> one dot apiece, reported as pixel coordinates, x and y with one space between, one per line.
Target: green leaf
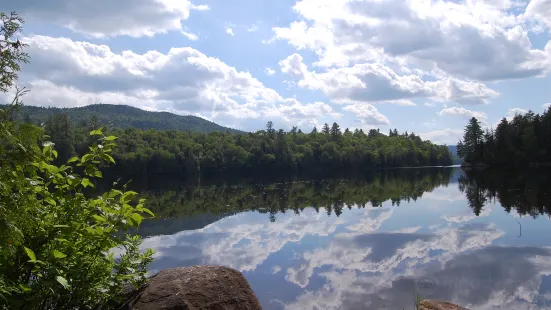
58 254
31 254
137 218
72 159
96 132
126 197
108 158
110 138
136 261
86 158
63 282
61 226
50 201
86 183
99 218
24 287
148 212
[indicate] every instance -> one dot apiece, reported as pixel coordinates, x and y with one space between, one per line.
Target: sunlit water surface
375 254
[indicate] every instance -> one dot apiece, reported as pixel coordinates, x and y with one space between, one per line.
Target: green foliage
56 243
471 147
11 52
525 140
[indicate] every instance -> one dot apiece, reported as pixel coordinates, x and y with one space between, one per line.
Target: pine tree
326 130
335 130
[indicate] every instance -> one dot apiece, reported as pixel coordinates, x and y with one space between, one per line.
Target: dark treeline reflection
526 192
194 207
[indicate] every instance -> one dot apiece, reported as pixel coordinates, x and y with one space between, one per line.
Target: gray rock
197 287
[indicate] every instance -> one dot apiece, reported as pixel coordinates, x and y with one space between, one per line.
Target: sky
425 66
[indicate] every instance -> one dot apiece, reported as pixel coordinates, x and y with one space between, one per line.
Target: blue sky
419 65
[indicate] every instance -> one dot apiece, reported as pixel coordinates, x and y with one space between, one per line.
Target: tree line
266 152
523 141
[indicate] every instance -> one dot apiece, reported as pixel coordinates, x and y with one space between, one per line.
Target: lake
481 239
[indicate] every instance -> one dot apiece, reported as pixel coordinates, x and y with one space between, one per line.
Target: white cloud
269 71
276 269
229 31
429 104
463 113
191 36
367 114
183 81
540 10
377 83
469 40
378 51
103 18
546 106
445 136
293 65
402 102
294 113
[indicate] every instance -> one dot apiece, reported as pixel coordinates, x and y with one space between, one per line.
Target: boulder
197 287
429 304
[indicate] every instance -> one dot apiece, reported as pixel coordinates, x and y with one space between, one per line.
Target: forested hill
123 116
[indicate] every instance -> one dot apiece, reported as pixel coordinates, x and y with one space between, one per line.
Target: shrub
57 244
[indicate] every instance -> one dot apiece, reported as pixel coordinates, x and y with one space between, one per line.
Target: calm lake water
479 239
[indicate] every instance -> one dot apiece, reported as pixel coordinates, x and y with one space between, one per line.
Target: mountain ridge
124 116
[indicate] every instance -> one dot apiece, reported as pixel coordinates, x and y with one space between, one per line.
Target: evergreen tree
472 139
326 130
335 130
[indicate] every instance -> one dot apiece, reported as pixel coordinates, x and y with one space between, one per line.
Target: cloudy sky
418 65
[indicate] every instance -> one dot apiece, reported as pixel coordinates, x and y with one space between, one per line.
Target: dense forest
121 116
146 153
523 141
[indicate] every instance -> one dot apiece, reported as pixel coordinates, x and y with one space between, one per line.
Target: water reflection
371 243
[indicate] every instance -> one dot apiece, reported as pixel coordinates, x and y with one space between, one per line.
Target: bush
56 243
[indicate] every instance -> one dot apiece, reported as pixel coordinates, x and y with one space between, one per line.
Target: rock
429 304
197 287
